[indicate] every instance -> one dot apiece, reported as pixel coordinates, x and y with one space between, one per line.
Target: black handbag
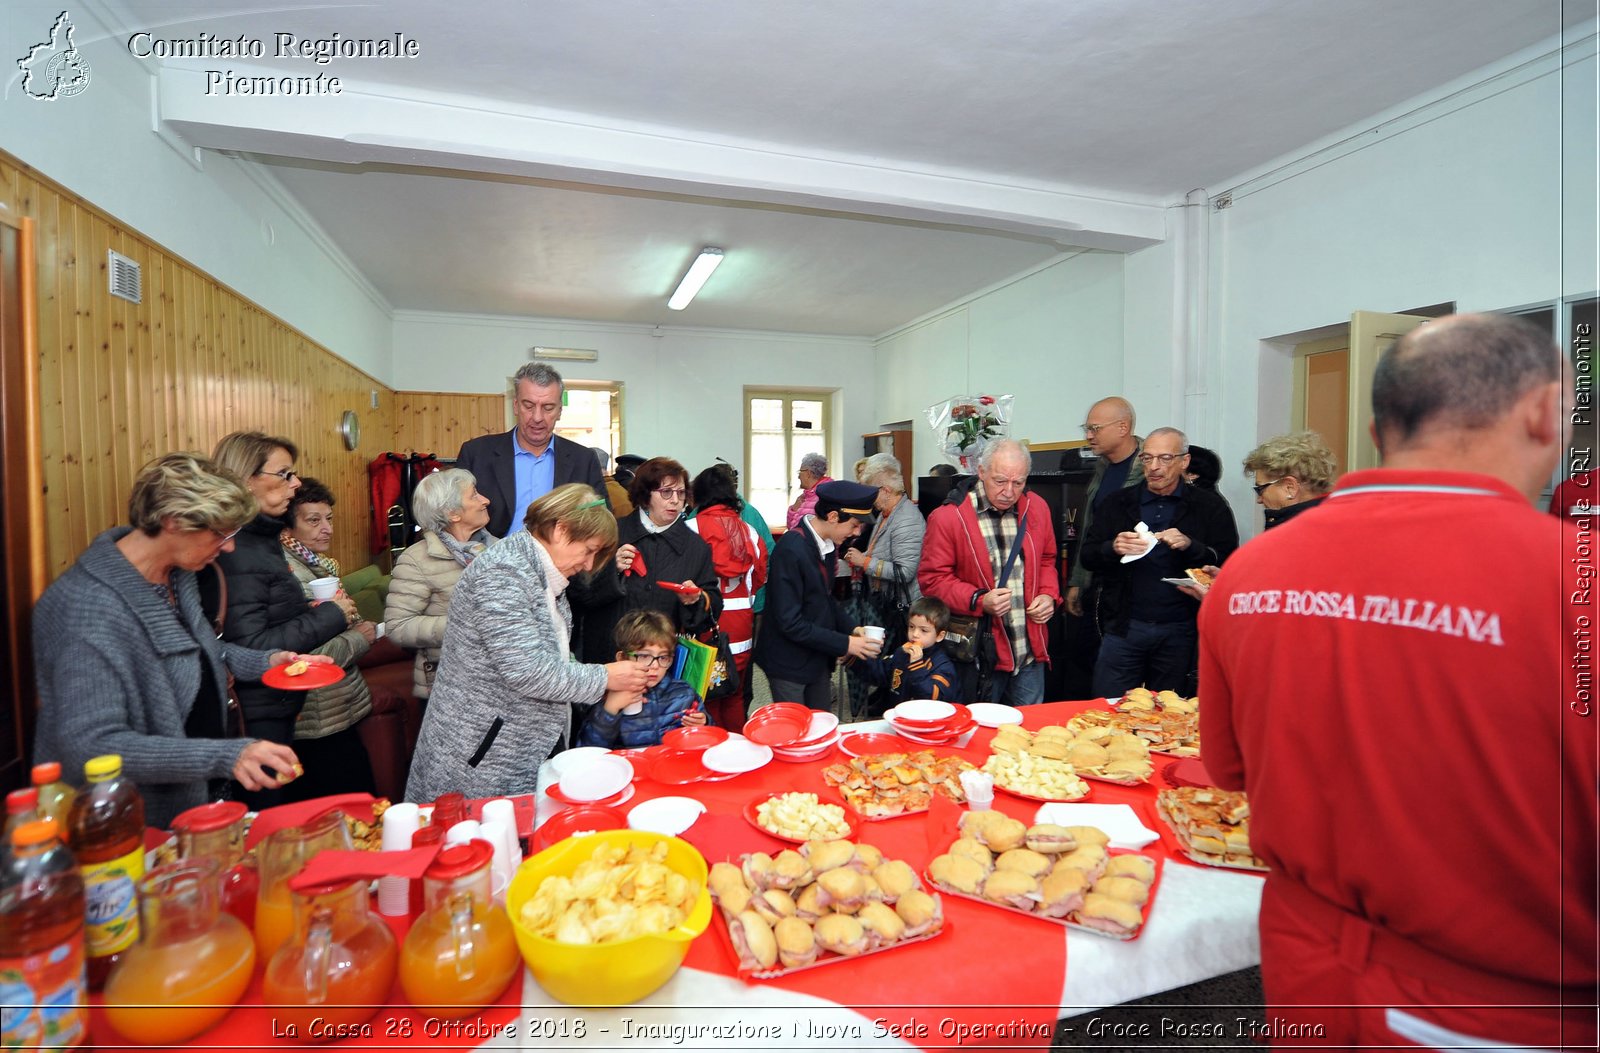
725 680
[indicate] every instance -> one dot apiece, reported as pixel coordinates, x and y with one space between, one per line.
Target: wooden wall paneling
430 422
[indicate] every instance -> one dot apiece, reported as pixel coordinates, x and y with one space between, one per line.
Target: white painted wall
683 393
99 145
1053 338
1487 200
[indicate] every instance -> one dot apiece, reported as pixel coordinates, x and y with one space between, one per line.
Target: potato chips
617 894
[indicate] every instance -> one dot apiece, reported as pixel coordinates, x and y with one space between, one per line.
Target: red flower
987 400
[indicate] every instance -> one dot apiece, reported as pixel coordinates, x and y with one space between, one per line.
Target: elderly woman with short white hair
889 563
454 518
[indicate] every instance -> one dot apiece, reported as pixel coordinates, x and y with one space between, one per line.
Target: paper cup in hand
324 588
633 710
874 632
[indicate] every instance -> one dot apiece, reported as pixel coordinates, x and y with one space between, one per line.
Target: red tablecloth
991 970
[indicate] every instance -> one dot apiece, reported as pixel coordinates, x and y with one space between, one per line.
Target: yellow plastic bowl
606 973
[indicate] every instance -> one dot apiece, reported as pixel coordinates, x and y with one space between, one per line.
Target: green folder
698 658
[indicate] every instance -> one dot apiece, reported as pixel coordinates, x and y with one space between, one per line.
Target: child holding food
918 668
646 638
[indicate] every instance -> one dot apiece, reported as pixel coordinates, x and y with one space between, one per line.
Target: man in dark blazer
516 467
805 632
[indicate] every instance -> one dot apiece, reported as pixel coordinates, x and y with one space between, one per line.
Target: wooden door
22 560
1371 334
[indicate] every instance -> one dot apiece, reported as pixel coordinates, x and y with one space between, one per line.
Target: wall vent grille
126 280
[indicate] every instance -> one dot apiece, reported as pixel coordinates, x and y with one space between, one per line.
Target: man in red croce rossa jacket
1398 699
963 556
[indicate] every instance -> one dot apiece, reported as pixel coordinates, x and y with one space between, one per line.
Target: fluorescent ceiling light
708 261
566 354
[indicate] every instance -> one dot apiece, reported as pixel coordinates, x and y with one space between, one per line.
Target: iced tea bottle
55 796
41 943
108 840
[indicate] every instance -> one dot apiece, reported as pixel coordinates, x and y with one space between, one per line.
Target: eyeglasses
1261 488
649 661
671 495
286 474
1164 458
1094 429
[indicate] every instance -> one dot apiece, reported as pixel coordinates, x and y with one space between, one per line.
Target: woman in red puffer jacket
740 560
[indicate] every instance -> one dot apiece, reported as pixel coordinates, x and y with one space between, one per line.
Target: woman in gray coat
454 518
127 661
889 563
506 681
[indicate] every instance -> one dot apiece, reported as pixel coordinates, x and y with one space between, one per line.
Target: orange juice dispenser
460 953
216 831
280 857
192 962
336 968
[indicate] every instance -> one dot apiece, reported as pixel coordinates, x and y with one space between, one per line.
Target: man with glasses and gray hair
517 467
1142 536
990 550
1109 429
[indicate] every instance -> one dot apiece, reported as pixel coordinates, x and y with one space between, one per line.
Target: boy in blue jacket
646 638
918 668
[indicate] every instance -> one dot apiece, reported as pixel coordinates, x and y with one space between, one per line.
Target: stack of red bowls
821 735
929 722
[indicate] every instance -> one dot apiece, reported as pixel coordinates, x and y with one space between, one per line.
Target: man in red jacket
964 553
1410 721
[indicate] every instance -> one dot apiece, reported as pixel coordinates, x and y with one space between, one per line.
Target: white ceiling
861 164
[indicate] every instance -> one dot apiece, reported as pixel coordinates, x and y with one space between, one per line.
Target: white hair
1183 440
814 463
882 469
439 495
1006 447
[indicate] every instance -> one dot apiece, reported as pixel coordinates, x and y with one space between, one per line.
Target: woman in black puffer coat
654 545
266 607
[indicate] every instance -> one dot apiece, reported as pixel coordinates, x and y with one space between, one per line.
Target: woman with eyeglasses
266 607
660 565
506 687
1293 473
325 734
128 662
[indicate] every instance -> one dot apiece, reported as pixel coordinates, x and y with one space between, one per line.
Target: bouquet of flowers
965 424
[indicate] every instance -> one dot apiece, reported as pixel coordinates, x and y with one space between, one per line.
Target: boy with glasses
627 721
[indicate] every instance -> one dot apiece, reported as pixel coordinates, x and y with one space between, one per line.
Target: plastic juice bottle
42 988
55 796
108 839
20 808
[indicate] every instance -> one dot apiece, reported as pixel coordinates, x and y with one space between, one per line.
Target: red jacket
955 562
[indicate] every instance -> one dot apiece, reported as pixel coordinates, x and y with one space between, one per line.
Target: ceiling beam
367 123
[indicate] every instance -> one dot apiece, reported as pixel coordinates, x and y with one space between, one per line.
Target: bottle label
111 903
44 998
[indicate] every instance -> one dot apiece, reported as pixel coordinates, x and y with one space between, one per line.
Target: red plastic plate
320 674
694 737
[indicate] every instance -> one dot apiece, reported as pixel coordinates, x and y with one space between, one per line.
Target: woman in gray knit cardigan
126 661
506 679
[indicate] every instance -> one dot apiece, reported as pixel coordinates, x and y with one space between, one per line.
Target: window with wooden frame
781 427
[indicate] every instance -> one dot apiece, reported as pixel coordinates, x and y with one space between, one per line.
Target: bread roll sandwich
1005 833
1089 835
758 870
974 850
826 855
1109 914
1050 838
806 905
958 872
1034 864
1012 888
841 889
1127 889
1141 867
920 911
883 926
867 857
773 904
789 870
797 943
727 886
895 878
753 940
1062 892
1091 859
841 934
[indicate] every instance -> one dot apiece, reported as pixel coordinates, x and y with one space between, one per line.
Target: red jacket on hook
393 478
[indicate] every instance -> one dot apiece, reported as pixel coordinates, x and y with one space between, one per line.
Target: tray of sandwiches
828 902
888 785
1060 874
1210 826
1167 722
1104 753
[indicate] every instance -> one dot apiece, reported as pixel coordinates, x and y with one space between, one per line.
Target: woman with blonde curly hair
1292 472
127 661
506 681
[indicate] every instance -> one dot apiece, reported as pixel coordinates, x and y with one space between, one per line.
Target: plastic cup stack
400 822
501 810
496 833
464 831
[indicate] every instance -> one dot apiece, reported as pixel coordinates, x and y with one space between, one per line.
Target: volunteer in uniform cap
805 631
